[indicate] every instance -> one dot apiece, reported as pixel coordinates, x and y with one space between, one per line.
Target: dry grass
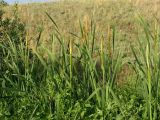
67 14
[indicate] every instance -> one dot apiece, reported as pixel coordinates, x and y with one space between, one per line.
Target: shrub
11 27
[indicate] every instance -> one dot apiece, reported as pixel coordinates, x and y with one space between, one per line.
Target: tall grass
147 68
78 81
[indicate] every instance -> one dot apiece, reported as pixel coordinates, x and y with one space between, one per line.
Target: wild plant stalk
108 51
70 53
149 82
156 67
103 76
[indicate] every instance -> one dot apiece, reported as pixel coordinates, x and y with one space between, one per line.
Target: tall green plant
147 68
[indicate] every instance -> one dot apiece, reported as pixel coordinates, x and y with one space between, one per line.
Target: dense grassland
80 60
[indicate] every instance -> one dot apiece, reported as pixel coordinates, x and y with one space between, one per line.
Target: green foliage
11 30
11 27
147 69
40 83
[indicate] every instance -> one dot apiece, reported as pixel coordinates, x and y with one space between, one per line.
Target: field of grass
80 60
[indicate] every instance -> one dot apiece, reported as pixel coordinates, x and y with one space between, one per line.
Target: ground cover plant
82 74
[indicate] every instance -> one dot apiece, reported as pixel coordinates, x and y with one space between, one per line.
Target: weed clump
12 30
